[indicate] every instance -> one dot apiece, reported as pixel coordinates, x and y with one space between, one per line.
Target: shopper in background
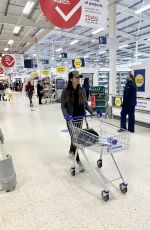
74 103
128 105
29 90
86 87
9 94
40 91
2 91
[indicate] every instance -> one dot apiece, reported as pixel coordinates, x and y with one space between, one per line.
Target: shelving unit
121 81
98 98
103 80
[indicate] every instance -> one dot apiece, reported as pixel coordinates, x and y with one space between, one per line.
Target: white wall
144 65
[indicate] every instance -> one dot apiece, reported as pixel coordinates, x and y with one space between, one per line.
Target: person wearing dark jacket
73 104
86 87
128 105
2 91
29 90
40 91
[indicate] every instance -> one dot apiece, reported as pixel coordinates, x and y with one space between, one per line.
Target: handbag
88 136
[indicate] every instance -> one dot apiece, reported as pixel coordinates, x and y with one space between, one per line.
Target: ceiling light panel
28 7
97 31
142 9
16 29
74 42
10 42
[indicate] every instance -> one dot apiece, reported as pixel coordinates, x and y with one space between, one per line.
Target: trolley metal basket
102 138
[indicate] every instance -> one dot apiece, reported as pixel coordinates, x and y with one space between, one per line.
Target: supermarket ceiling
23 31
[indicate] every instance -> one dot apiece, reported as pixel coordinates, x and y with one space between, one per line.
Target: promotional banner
35 74
61 69
45 72
8 61
140 79
94 13
118 101
66 14
19 60
78 63
143 104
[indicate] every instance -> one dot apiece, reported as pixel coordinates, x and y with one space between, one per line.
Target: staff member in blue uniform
128 105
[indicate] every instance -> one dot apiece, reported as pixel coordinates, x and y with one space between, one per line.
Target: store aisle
47 197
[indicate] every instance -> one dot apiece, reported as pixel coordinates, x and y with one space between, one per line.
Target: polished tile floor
47 197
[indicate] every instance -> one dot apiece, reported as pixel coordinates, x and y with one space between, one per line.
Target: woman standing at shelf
128 105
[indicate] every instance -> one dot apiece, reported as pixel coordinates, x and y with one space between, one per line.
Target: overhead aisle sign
61 69
66 14
78 63
45 72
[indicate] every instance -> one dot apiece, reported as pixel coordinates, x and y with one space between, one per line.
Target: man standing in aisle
128 105
40 91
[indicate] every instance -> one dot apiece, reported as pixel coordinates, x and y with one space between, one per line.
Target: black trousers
40 98
130 111
72 146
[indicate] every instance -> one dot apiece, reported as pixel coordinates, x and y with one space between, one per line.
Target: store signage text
143 104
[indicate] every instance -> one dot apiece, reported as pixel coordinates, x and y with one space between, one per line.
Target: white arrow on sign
71 13
10 63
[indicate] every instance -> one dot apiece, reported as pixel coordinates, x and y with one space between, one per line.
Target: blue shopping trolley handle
70 117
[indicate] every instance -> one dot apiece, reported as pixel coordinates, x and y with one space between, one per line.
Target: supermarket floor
47 197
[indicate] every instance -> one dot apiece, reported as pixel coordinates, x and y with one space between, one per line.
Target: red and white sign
1 70
64 14
8 61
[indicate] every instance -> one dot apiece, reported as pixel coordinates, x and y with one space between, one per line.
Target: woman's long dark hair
132 78
70 96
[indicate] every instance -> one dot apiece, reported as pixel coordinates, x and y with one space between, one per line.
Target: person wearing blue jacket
128 105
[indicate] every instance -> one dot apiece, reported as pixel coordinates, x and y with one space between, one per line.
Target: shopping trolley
102 138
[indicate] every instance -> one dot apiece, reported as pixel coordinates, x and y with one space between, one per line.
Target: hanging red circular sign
8 61
1 70
64 14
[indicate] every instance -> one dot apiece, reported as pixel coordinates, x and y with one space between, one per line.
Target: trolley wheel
72 171
123 188
105 195
10 190
99 163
